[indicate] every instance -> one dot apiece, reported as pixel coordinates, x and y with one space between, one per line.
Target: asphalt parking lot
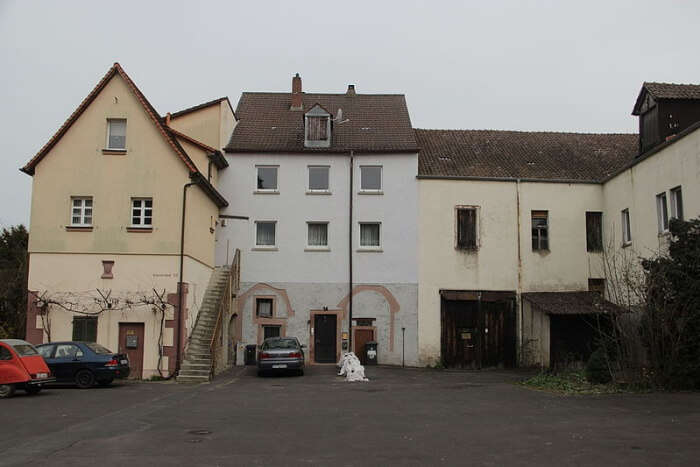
400 417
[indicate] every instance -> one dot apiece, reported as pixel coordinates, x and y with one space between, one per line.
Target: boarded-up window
466 228
540 230
317 128
594 231
85 329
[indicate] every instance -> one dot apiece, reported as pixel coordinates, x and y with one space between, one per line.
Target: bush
597 371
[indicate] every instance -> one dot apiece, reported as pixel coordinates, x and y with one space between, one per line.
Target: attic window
317 128
116 133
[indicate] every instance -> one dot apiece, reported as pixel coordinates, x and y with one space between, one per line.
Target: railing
231 288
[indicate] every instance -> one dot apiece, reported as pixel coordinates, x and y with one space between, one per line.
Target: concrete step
194 354
199 366
192 379
190 372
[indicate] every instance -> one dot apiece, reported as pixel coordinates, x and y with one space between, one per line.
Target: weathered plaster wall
211 125
536 337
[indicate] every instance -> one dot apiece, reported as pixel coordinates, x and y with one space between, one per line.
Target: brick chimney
351 90
296 93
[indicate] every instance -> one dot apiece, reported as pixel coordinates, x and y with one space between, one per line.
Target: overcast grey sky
537 65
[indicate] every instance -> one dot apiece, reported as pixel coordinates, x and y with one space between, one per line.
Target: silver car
281 354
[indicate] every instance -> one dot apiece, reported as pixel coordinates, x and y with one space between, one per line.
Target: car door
66 361
46 351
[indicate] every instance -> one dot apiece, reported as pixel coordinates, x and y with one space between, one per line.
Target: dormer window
317 128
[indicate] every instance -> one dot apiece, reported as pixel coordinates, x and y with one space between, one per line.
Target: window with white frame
371 178
677 203
266 178
264 307
662 212
540 230
142 212
317 234
370 234
81 211
265 233
318 178
116 133
626 229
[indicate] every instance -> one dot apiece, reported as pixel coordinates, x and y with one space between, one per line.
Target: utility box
250 354
371 353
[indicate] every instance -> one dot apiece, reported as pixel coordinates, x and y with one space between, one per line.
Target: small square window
116 133
263 307
266 178
265 233
81 212
317 234
370 234
142 212
371 178
677 203
318 178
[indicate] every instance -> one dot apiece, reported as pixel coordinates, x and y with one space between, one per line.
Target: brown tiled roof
571 303
492 154
203 105
673 91
375 123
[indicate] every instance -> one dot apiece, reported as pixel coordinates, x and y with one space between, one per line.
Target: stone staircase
196 366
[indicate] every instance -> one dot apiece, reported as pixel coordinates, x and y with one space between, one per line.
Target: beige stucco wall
211 125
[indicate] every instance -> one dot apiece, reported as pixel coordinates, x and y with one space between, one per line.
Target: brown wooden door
131 343
361 337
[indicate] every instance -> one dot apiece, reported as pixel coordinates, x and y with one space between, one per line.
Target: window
369 235
677 203
263 307
466 228
81 212
626 230
85 329
317 128
265 233
46 351
597 285
594 231
540 230
68 351
142 212
116 133
5 353
271 331
318 178
370 178
317 234
267 178
662 212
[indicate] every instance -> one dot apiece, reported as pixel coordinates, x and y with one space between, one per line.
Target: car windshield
25 350
98 349
271 344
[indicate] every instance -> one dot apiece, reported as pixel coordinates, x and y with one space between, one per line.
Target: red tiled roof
492 154
673 91
371 123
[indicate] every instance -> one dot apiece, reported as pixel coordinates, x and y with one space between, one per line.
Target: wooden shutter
466 228
318 128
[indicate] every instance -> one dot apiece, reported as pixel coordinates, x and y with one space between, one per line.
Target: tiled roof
203 105
571 303
371 123
577 157
673 91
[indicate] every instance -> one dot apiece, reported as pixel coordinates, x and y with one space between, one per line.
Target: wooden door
131 343
325 338
361 337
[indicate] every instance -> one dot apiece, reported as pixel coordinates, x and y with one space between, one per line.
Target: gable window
265 233
85 329
266 178
318 178
317 234
677 203
594 231
371 178
662 212
263 307
540 230
467 231
370 235
626 230
317 128
116 133
142 212
81 211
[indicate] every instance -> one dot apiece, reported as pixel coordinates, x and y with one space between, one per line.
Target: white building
323 201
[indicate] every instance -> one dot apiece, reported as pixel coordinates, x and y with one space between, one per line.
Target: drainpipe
178 345
350 284
520 274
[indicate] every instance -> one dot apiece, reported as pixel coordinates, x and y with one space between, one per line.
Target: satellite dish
339 115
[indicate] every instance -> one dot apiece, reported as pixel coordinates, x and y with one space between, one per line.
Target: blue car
84 363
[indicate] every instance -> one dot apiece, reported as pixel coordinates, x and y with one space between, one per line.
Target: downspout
350 284
179 289
520 274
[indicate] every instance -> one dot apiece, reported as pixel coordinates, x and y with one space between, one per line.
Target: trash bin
250 354
371 353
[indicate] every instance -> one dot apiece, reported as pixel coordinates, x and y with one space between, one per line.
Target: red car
21 367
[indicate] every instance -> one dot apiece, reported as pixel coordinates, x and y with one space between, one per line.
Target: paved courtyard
400 417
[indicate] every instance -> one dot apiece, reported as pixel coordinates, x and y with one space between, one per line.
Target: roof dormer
317 128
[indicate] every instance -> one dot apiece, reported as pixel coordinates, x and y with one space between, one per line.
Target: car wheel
84 379
6 390
32 389
105 382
